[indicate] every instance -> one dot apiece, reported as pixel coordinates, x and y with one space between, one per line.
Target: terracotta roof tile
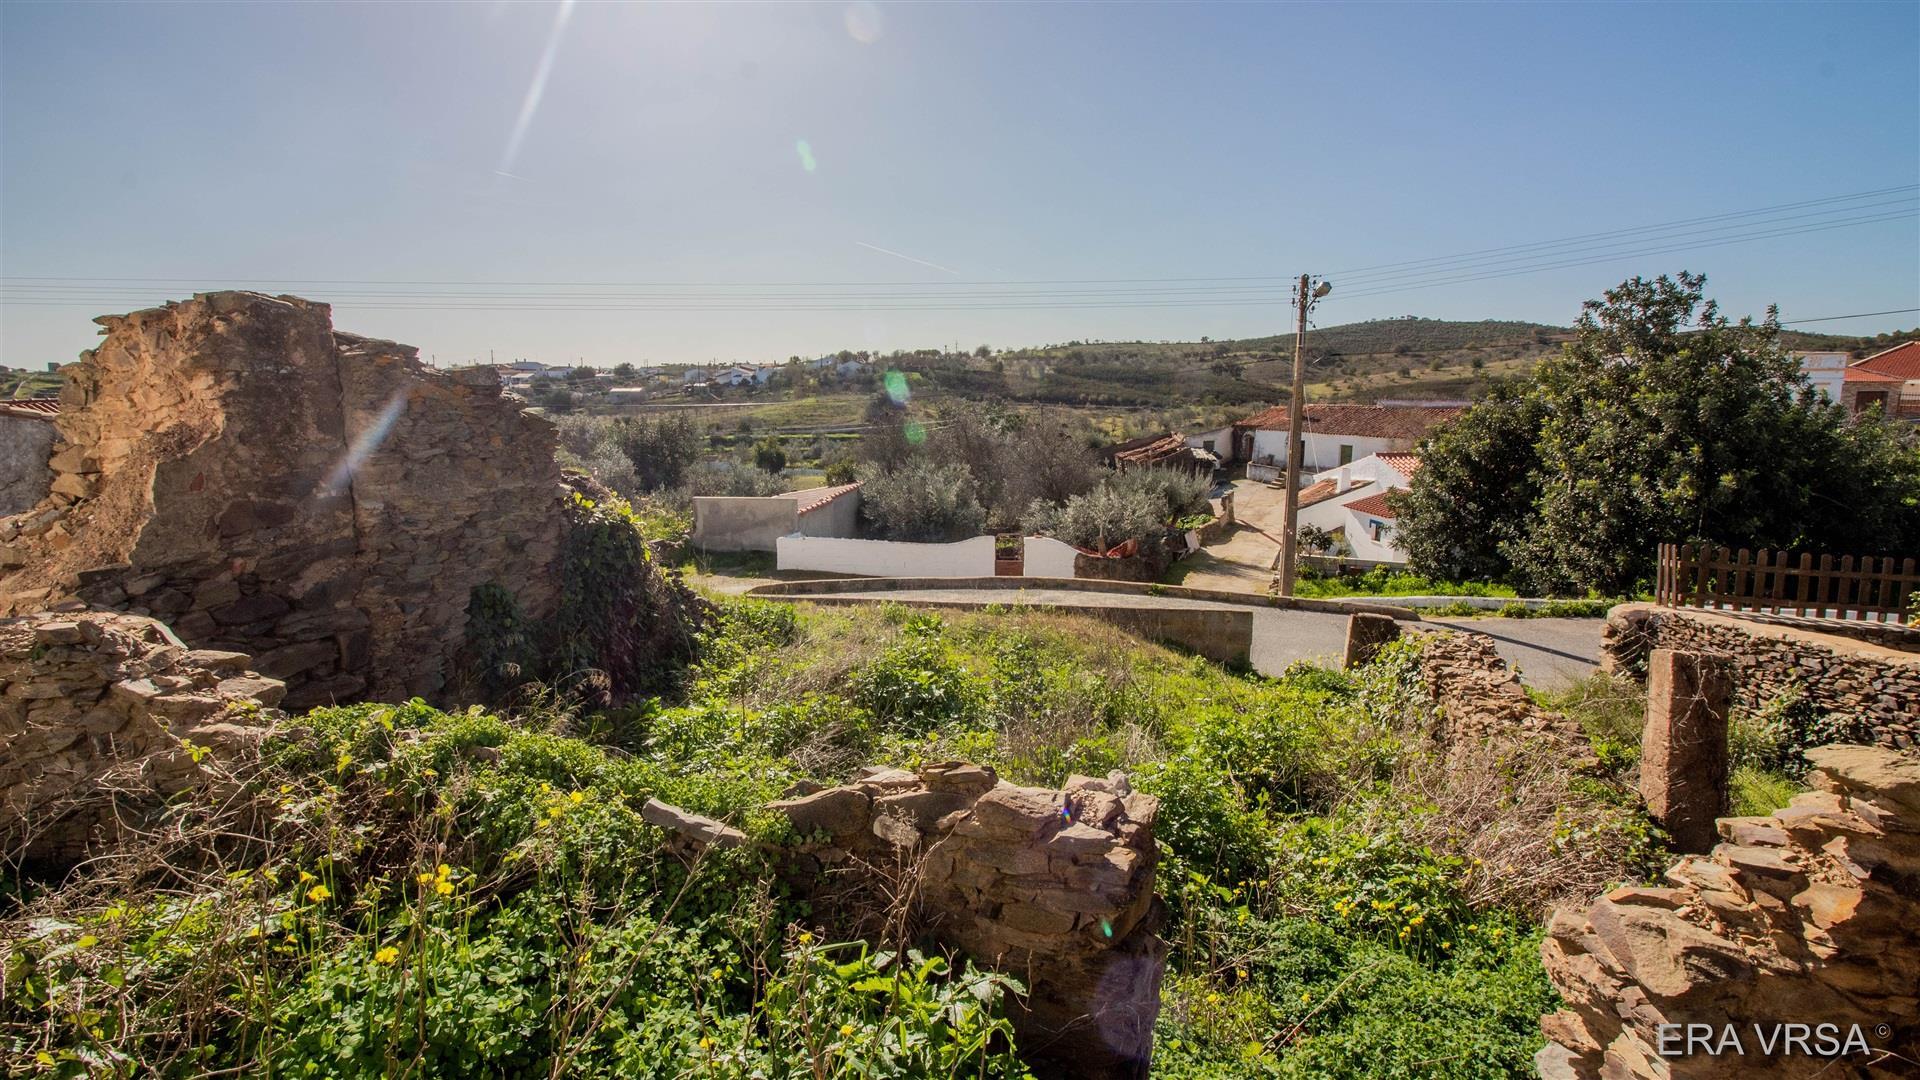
1902 361
1861 375
1375 505
1366 421
1323 490
1400 462
811 499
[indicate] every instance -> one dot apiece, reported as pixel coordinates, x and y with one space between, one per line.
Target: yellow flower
1446 944
1416 920
319 893
87 941
424 877
805 938
1239 973
706 1043
443 870
306 877
387 955
846 1030
1213 999
1304 998
444 888
578 797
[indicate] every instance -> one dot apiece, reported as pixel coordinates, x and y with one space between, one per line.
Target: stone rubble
1810 915
1055 888
103 714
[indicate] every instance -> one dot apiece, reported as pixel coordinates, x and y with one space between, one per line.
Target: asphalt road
1548 653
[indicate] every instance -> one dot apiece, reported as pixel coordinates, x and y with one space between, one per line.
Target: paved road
1548 653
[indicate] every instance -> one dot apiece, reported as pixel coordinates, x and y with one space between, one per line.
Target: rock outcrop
1053 887
1810 916
265 484
101 715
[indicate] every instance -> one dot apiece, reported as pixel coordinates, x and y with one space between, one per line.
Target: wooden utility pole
1305 293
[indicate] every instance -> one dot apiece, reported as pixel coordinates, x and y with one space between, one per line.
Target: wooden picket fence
1867 587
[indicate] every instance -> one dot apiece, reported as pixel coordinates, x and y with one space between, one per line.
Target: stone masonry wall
1809 916
1876 685
1053 887
93 710
323 501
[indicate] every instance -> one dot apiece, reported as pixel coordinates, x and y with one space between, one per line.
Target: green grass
1381 581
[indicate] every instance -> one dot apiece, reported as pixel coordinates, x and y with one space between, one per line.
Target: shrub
921 501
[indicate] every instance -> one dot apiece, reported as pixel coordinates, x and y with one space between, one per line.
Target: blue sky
270 144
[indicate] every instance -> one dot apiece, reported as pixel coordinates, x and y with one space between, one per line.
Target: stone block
839 812
1683 750
1366 633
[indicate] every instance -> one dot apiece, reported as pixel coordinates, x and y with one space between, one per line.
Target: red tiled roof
36 407
1902 361
811 499
1375 505
1861 375
1400 462
1366 421
1152 451
1322 490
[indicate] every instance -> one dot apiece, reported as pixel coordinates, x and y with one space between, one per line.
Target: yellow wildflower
806 938
444 888
443 870
386 955
306 877
578 797
706 1043
846 1030
424 877
319 893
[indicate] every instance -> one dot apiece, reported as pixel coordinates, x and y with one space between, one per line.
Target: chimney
1344 482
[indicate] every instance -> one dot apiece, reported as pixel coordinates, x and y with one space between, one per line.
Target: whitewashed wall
885 558
1047 557
1323 451
1360 538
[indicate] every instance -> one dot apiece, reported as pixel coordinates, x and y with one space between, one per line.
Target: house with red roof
1350 501
1335 435
1889 379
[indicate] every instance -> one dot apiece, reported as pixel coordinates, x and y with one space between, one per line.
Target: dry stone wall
1875 685
265 484
1479 697
1053 887
1807 917
100 714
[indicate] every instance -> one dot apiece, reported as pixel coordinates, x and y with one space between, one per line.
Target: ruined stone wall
26 442
93 710
326 502
1053 887
1479 697
1874 684
1809 916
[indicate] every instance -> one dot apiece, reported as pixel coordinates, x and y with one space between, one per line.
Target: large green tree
1661 421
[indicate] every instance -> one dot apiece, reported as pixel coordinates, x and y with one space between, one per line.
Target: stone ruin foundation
102 715
1055 888
265 484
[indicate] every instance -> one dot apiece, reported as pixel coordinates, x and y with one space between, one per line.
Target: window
1207 445
1378 529
1346 454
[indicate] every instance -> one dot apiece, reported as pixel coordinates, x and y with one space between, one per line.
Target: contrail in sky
531 103
909 258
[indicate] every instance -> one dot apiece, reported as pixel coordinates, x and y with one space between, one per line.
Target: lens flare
862 20
530 104
914 432
805 150
896 384
365 443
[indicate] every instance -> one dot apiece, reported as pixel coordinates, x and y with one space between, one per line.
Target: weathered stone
1683 751
702 830
1366 633
1023 811
960 777
921 809
839 812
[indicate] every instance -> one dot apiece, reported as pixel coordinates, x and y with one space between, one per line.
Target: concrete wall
840 517
886 558
26 443
1047 557
741 523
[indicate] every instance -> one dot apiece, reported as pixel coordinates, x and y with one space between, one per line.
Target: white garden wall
1047 557
887 558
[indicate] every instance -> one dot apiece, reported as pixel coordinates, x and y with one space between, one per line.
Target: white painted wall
1360 538
885 558
1827 371
1047 557
1323 451
1222 440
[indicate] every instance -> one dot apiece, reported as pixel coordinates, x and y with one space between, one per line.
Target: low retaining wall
885 558
1092 585
1872 684
1807 918
1048 558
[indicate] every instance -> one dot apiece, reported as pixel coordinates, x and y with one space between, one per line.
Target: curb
802 589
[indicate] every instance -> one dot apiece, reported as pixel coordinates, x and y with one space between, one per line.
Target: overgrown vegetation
395 889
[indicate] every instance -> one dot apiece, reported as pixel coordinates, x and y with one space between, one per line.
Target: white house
1351 500
1827 371
1335 435
1219 442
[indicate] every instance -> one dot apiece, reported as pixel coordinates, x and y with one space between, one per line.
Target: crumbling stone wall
1053 887
1808 916
1478 696
93 710
1873 684
267 485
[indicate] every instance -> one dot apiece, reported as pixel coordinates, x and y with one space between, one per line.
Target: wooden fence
1877 589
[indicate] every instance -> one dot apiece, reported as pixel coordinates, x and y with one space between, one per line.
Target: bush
921 501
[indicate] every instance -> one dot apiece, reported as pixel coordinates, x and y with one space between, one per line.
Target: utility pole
1305 292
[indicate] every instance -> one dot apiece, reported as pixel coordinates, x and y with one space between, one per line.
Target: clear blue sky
252 144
